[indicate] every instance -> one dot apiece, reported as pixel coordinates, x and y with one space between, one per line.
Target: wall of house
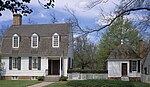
65 66
25 68
115 69
146 65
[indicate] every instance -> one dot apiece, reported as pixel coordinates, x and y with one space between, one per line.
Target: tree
3 29
119 30
16 6
53 18
84 53
30 21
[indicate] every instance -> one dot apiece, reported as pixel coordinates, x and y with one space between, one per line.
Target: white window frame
13 41
34 35
54 39
14 63
134 66
36 65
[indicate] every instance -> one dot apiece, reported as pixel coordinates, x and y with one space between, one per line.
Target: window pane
15 41
34 62
15 62
34 43
134 64
55 41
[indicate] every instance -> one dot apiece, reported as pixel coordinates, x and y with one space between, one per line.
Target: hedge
105 83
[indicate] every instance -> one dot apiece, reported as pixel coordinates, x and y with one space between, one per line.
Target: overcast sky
86 17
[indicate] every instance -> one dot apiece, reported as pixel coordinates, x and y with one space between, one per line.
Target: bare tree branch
117 16
53 18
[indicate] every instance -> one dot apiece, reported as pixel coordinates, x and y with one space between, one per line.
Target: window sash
15 41
134 65
34 41
35 62
15 63
55 41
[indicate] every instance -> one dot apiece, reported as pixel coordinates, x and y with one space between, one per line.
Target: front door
53 67
124 69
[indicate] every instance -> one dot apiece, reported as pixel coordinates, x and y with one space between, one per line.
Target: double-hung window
34 41
134 65
15 41
55 40
15 62
35 62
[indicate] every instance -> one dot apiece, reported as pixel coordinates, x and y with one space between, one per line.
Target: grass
59 84
17 83
98 83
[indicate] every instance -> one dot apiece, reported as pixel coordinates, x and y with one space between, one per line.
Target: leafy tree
84 53
119 30
16 6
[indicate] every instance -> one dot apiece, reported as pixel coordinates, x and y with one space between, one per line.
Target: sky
86 17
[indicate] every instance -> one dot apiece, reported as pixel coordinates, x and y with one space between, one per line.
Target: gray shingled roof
40 29
45 32
123 52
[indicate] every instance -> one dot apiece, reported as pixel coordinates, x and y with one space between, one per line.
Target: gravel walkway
42 84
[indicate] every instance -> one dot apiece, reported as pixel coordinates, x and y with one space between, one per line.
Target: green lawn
99 83
17 83
59 84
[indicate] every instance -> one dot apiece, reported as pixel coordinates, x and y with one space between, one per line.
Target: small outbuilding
124 64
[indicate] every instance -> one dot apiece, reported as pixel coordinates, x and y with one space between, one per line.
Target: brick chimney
141 48
17 19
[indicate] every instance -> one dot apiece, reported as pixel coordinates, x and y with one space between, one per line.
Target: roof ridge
42 24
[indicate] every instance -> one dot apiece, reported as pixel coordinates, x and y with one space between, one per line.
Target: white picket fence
86 76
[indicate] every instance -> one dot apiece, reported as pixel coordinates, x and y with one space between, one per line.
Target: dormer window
55 40
34 41
15 41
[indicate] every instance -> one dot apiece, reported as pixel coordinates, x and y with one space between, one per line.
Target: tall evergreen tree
119 30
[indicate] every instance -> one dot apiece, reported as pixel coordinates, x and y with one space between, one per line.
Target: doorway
124 69
53 67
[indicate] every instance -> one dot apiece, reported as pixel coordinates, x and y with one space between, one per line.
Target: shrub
63 78
99 83
86 71
40 78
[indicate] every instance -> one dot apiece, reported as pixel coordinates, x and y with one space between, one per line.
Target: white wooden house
30 51
124 64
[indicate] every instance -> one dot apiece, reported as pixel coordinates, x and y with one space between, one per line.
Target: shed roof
123 52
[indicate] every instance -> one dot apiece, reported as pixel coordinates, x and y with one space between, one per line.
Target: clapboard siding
114 69
25 68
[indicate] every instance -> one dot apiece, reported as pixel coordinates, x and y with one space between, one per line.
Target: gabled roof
123 52
45 33
40 29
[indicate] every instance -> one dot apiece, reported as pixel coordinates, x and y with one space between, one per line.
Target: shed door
124 69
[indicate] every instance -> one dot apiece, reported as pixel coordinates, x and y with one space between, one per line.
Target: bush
63 78
100 83
40 78
86 71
